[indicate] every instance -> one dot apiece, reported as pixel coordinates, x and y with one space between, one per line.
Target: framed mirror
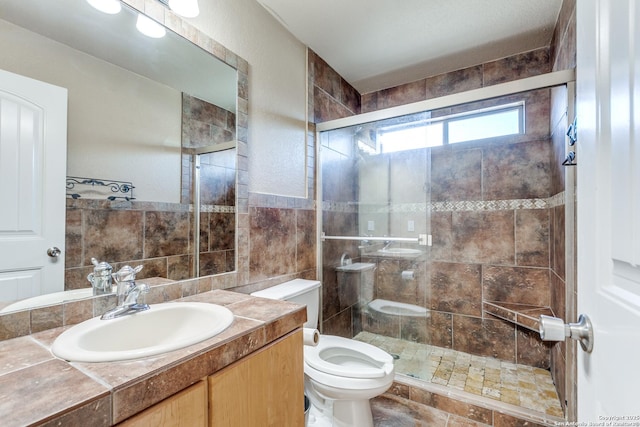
157 115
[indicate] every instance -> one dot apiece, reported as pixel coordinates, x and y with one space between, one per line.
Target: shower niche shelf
525 315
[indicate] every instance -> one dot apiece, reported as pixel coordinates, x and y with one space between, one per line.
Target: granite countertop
38 388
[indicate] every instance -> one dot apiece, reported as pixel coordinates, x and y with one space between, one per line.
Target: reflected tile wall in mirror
155 235
207 125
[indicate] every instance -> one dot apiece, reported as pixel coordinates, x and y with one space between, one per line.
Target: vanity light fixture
149 27
107 6
186 8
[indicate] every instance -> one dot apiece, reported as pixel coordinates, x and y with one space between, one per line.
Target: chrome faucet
100 279
128 292
365 242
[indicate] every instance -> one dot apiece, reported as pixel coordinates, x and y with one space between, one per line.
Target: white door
33 150
608 208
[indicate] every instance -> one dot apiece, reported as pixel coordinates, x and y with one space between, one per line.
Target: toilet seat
348 358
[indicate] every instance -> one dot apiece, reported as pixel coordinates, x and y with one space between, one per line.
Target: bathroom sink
162 328
400 251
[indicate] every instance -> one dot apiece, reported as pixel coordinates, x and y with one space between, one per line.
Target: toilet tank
300 291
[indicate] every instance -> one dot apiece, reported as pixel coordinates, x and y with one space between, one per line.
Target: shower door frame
196 201
557 78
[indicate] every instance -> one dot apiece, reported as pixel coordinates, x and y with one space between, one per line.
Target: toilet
340 374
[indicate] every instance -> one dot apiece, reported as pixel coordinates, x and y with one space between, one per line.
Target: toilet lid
348 358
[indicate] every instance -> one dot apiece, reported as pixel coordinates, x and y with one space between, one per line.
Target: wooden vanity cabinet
263 389
186 408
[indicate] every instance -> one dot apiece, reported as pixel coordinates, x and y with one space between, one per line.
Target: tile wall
330 96
205 124
501 71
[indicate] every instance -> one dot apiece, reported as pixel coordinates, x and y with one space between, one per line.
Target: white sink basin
162 328
400 251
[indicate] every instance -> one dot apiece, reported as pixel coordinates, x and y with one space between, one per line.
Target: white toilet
341 374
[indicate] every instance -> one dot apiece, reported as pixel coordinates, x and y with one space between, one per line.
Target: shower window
413 137
486 124
473 125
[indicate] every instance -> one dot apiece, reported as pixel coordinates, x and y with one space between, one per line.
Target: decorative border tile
455 206
557 200
217 209
94 204
489 205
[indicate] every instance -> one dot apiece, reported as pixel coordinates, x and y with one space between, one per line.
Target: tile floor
391 411
521 385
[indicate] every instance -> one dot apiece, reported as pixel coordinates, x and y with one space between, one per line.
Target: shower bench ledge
525 315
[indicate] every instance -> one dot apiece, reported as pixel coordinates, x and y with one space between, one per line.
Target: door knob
554 329
54 252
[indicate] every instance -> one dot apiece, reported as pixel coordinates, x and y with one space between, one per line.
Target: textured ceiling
375 44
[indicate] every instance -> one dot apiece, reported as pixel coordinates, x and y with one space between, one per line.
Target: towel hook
569 160
572 132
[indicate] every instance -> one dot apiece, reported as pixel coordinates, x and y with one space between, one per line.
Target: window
473 125
411 138
485 125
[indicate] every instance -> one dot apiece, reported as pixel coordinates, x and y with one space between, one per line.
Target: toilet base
349 413
318 419
346 413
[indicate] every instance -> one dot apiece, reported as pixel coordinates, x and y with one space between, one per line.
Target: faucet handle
101 268
136 295
143 289
127 273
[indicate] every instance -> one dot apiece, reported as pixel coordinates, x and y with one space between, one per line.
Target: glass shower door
376 227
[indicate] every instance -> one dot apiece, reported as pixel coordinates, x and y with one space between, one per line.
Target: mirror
143 112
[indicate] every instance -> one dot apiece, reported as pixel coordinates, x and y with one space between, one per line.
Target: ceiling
376 44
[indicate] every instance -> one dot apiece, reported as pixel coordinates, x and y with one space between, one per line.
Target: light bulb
107 6
149 27
186 8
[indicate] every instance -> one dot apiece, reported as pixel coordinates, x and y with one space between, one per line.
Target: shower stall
442 228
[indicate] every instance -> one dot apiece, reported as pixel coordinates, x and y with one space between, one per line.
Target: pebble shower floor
521 385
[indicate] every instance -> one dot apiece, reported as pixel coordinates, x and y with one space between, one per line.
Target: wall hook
570 159
572 132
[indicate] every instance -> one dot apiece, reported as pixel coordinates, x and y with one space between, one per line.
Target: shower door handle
425 240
